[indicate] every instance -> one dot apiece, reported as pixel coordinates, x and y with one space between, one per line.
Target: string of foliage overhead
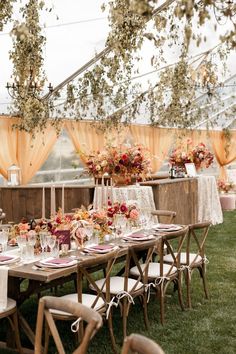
104 93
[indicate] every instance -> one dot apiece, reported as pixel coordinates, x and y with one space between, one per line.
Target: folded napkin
101 247
59 260
3 287
136 236
165 226
5 258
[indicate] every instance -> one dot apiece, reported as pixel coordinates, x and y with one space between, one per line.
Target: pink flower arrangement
186 153
224 186
120 161
130 211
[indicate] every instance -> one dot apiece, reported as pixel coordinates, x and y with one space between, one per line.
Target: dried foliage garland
6 8
108 84
106 93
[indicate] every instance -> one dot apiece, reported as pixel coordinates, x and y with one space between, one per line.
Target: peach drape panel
85 136
158 140
8 144
18 147
224 150
33 152
197 136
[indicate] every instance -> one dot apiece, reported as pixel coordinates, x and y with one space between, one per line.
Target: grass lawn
210 327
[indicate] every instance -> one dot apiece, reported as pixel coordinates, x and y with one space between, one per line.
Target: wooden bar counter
179 194
26 201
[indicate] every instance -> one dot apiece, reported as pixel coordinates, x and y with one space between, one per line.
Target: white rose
98 168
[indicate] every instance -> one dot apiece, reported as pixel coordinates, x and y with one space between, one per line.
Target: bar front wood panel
19 202
180 195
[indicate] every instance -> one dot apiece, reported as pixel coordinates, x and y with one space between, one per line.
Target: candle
43 203
107 194
102 196
112 201
53 200
63 199
95 198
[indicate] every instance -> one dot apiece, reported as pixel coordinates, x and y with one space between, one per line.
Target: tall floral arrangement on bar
122 160
200 155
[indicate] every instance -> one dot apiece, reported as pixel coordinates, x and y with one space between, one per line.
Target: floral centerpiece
200 155
120 161
128 209
225 186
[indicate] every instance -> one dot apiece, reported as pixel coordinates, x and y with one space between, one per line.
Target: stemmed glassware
120 224
30 244
88 229
43 241
3 240
51 241
21 240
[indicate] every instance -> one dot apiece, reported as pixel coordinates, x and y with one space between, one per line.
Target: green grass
210 327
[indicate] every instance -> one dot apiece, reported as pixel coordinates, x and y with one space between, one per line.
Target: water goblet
43 242
3 240
89 233
21 240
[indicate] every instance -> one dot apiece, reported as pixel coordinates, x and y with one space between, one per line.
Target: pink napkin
5 258
60 260
137 236
101 247
165 226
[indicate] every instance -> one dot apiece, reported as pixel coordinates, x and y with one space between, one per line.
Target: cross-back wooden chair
8 308
124 289
77 310
99 300
164 216
160 275
138 344
194 256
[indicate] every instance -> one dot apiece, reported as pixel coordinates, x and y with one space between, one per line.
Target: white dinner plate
47 263
167 227
12 259
96 249
133 238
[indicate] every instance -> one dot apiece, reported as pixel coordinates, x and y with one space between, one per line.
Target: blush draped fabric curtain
157 140
20 148
85 137
224 148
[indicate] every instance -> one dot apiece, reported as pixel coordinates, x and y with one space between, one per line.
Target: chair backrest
89 266
196 240
136 343
172 243
165 216
93 319
144 250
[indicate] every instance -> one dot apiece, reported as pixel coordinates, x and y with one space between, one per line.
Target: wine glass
51 241
30 244
120 224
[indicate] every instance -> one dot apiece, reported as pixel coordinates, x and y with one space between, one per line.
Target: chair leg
188 283
160 294
110 326
125 314
204 280
46 340
17 334
145 313
180 295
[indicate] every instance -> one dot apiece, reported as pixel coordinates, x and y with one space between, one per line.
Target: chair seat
10 305
117 285
87 300
154 270
193 257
